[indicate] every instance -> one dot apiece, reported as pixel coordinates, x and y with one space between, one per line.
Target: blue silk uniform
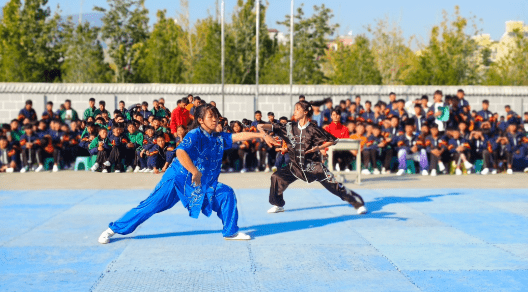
206 151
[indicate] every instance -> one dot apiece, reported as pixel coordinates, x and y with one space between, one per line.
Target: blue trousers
165 196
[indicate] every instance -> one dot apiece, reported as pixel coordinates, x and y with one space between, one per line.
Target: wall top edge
208 89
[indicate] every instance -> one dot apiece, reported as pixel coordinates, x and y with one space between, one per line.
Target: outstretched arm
186 162
250 136
319 148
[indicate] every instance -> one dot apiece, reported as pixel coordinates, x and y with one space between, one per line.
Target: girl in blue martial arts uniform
192 178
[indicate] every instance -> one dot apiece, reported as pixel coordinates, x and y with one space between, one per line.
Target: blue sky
415 17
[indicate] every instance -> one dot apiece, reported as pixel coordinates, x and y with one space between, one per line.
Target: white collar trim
303 127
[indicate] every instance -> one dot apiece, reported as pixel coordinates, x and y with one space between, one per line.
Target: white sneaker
55 168
267 169
256 170
526 170
468 165
24 170
468 171
94 167
365 172
129 169
10 170
274 169
104 238
104 171
400 172
362 210
107 163
230 169
137 169
458 171
376 171
40 168
509 171
244 170
441 166
347 170
494 171
117 171
276 209
337 168
238 236
424 172
433 172
485 171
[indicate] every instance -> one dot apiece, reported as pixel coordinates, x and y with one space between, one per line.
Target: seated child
436 148
160 155
409 147
8 156
459 149
29 143
101 147
377 148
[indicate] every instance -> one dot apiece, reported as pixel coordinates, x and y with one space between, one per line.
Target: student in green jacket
90 111
136 140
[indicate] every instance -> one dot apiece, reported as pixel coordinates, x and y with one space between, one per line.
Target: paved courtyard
422 234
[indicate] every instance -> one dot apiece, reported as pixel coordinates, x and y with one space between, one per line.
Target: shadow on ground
275 228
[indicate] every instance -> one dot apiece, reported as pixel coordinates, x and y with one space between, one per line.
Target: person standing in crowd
69 114
49 115
27 112
434 112
124 111
101 109
258 119
196 103
342 158
180 116
90 111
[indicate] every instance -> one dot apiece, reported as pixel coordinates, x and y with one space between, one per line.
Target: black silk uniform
306 167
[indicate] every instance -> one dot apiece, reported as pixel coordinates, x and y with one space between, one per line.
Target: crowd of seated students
439 136
136 139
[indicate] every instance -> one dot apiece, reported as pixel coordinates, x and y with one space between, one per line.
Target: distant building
345 40
499 49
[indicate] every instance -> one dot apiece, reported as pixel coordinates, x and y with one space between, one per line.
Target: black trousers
115 156
130 157
282 178
29 156
504 156
372 157
344 158
42 154
102 157
434 160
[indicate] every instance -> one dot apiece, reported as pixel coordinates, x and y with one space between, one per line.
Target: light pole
223 59
257 59
291 57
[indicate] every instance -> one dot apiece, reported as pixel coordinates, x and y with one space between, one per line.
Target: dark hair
155 101
425 97
121 101
102 102
117 112
197 98
68 101
258 112
368 101
50 102
200 112
460 90
144 103
283 119
306 106
271 114
179 101
185 100
438 92
189 95
486 101
417 106
29 102
337 111
392 93
302 97
92 99
507 106
239 124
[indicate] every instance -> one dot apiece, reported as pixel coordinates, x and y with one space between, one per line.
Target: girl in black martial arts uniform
305 141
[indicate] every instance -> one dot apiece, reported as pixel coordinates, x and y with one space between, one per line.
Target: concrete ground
422 234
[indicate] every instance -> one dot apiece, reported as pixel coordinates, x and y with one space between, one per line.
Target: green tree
125 29
83 55
392 55
512 69
310 43
162 61
354 64
30 42
451 57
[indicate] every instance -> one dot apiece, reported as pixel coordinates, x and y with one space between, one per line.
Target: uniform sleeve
228 140
279 130
320 136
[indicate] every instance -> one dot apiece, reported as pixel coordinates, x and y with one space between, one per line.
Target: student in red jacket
338 130
180 116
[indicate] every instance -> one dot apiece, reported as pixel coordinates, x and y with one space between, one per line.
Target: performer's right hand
197 179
